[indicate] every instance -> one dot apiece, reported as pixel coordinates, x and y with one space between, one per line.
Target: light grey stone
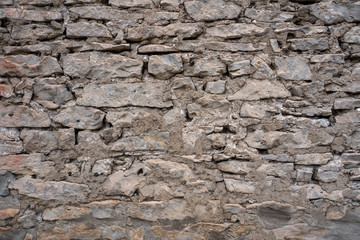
268 16
39 141
234 166
86 29
305 44
353 35
216 87
332 13
335 58
236 30
14 14
348 117
282 170
206 67
346 103
165 66
239 186
131 3
104 13
293 68
233 47
35 31
153 141
313 159
49 90
240 68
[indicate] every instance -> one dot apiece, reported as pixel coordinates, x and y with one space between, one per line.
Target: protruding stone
353 36
239 186
313 159
204 11
236 30
125 94
85 29
293 68
305 44
39 141
28 65
80 118
233 166
131 3
156 141
9 207
260 89
165 66
206 67
14 14
50 190
22 116
97 65
35 31
35 2
268 16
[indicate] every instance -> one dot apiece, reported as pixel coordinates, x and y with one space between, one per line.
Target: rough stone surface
179 119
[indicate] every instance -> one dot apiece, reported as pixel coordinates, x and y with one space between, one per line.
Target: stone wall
172 119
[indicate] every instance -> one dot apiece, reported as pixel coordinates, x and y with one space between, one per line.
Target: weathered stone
26 164
329 172
6 91
35 2
332 13
241 68
155 48
5 179
29 15
66 138
304 173
239 186
6 2
293 68
35 31
104 13
49 90
335 58
10 147
263 71
206 67
170 4
233 47
156 141
50 190
125 94
314 192
279 158
170 169
77 1
346 103
158 191
268 16
216 87
282 170
9 207
131 3
64 213
233 166
22 116
39 141
102 167
260 89
204 11
165 66
313 159
299 230
348 117
121 119
35 48
85 29
104 47
305 44
257 110
348 86
160 17
28 65
353 36
97 65
236 30
80 118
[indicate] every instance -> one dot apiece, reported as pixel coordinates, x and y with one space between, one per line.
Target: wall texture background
167 119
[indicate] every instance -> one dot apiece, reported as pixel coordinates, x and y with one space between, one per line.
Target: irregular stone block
305 44
28 66
168 169
39 141
131 3
125 94
128 117
159 17
105 13
236 167
268 16
5 179
49 90
216 87
240 68
78 1
85 29
64 213
6 91
348 117
293 68
156 141
6 2
353 36
204 11
50 190
335 58
332 13
35 2
29 15
35 31
26 164
313 159
233 47
263 71
97 65
257 110
22 116
165 66
260 89
206 67
10 147
348 86
304 173
239 186
236 30
80 118
9 207
155 48
346 103
282 170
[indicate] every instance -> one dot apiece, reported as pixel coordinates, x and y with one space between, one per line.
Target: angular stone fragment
206 67
77 1
127 118
313 159
28 66
348 117
49 90
160 17
22 116
165 66
233 47
102 167
304 173
353 36
10 147
236 30
125 94
268 16
26 164
329 172
282 170
80 118
263 71
39 141
212 10
241 68
279 158
35 31
293 68
86 29
97 65
29 15
156 141
9 207
305 44
260 89
104 47
346 103
233 166
335 58
239 186
50 190
104 13
169 169
155 48
6 91
332 13
5 179
257 110
35 2
131 3
35 48
64 213
218 87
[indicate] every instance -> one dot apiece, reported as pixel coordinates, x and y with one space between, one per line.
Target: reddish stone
6 91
